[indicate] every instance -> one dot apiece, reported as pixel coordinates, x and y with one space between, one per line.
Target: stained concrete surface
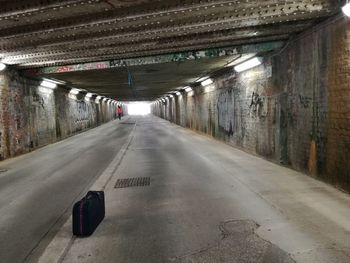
209 202
37 191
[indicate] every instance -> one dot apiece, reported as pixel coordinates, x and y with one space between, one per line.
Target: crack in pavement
239 243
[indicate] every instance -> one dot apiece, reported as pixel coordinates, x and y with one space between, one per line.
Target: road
209 202
206 202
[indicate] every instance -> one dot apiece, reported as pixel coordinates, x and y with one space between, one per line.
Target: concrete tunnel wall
293 110
31 118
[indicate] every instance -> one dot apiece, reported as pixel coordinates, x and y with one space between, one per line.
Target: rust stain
312 164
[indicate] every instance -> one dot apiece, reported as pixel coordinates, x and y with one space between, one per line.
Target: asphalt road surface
206 202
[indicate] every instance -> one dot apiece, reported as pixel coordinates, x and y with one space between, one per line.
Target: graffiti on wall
225 107
305 101
81 111
258 105
38 100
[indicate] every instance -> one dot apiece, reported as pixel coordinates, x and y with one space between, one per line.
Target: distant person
120 112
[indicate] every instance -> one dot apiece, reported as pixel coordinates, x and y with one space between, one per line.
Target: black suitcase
88 213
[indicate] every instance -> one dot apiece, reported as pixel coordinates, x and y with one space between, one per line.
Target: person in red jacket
119 112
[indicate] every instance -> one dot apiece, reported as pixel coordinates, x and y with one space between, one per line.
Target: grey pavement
207 202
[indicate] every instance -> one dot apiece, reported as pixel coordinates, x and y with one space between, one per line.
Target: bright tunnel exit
139 108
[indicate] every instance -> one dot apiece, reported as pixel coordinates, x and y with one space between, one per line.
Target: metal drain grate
133 182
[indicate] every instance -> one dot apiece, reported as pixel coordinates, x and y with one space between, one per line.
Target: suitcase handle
90 194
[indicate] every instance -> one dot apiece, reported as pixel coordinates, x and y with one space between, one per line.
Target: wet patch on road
239 243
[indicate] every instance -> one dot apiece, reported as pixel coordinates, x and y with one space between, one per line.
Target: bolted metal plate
133 182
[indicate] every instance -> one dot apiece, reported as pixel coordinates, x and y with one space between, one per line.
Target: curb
58 248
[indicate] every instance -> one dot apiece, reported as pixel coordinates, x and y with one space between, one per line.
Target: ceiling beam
157 12
21 7
127 45
212 22
181 56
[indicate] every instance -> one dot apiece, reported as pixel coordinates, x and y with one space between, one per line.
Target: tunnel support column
4 116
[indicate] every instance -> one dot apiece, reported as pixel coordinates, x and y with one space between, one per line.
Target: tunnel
218 130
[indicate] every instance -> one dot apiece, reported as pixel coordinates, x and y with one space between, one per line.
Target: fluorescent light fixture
98 97
56 81
2 66
241 59
251 63
202 79
48 84
178 93
188 89
88 95
170 96
74 91
346 9
105 99
206 82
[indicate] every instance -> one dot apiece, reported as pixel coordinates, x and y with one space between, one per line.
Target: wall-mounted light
178 93
48 84
207 82
346 9
74 91
2 66
202 79
171 96
88 95
188 89
251 63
